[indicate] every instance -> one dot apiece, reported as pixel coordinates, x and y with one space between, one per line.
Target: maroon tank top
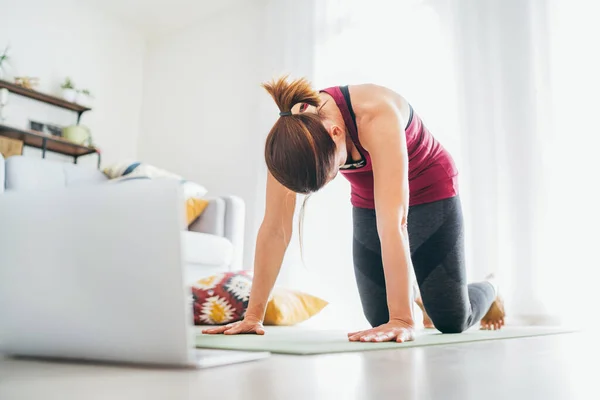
432 174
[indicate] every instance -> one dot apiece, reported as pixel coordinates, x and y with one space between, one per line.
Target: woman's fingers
387 337
404 336
379 336
382 334
219 329
354 338
245 328
399 335
357 333
238 328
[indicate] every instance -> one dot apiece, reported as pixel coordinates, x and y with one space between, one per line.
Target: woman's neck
329 110
351 149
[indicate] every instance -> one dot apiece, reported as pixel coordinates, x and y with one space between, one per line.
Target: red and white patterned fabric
222 298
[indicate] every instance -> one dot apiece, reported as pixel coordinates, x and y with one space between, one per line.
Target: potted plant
84 97
68 90
4 62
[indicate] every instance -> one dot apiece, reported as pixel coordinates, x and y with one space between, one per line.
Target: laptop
96 273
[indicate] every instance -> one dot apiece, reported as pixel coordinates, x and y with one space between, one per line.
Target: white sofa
214 243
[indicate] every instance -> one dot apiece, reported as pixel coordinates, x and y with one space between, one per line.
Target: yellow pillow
290 307
194 208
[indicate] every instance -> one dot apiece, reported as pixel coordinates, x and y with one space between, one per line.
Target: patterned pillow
222 298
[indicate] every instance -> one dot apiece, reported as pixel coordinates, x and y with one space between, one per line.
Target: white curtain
529 135
510 87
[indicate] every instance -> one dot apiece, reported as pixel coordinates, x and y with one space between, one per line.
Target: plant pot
78 134
69 95
84 100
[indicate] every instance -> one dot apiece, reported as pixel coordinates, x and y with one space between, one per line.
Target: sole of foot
494 318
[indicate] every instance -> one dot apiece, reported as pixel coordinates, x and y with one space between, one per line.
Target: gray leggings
435 232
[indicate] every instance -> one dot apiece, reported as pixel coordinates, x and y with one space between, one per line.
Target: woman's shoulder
369 99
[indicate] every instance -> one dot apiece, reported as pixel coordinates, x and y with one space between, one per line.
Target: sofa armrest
225 216
235 219
212 219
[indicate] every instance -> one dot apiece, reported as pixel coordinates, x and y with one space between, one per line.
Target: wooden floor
552 367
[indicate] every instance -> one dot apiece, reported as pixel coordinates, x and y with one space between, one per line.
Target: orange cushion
290 307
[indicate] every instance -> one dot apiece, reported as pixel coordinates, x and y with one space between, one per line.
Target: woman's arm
383 136
271 243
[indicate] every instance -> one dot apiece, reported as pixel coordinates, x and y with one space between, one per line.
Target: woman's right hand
240 327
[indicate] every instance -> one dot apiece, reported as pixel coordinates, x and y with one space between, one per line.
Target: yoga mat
290 340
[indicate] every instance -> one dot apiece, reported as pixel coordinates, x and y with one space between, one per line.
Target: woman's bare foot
494 318
427 322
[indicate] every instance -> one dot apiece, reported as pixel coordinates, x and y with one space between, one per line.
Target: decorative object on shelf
68 90
3 103
78 134
10 147
27 82
72 94
49 129
84 97
4 61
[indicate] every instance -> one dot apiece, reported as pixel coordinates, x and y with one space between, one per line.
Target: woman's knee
376 318
451 323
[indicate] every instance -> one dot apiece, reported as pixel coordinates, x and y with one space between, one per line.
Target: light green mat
289 340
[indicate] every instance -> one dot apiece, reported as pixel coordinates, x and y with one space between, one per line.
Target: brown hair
299 152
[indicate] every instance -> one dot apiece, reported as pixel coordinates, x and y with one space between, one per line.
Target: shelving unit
45 142
42 140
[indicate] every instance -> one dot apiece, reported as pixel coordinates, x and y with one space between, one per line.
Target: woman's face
335 131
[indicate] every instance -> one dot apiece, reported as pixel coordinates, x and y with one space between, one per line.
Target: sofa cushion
206 249
28 173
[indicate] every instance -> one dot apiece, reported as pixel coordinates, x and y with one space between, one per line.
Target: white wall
205 115
65 38
200 103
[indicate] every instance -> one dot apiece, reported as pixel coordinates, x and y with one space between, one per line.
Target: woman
406 209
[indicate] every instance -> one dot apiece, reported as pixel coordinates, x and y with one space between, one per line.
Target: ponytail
287 94
299 152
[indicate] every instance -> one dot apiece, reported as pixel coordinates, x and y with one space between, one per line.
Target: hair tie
285 113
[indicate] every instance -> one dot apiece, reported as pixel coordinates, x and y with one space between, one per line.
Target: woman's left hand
394 330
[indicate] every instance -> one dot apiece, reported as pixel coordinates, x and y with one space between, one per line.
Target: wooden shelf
45 98
47 142
41 140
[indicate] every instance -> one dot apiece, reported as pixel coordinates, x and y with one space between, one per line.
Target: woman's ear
334 130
